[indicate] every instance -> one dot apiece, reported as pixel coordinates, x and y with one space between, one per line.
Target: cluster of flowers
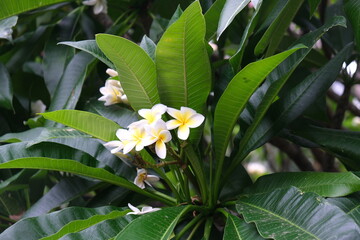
112 92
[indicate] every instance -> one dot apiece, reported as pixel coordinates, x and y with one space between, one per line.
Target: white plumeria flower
100 6
142 177
112 72
136 137
112 93
149 115
146 209
115 146
185 118
37 107
160 135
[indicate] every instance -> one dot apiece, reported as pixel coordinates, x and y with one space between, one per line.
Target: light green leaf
46 225
236 95
86 122
321 183
184 75
229 12
153 226
91 47
149 46
352 10
136 69
273 35
238 229
9 7
6 91
291 214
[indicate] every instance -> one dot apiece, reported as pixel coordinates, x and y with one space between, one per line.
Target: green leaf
59 222
236 95
273 35
91 47
212 17
278 78
10 8
64 191
21 136
86 122
184 75
342 143
6 91
236 183
149 46
314 4
238 229
17 181
321 183
350 205
352 10
228 13
153 226
69 88
290 213
6 27
136 70
74 167
297 100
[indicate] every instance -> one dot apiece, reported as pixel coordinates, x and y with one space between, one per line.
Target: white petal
195 120
111 72
160 149
159 108
152 178
123 134
138 182
98 8
165 135
138 124
183 132
186 111
174 112
113 144
172 124
129 146
134 209
145 113
89 2
148 183
139 147
149 209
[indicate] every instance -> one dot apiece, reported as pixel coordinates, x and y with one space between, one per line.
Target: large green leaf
350 205
342 143
69 88
273 35
324 184
136 69
6 91
236 95
153 226
212 17
184 75
74 167
238 229
352 10
86 122
69 220
228 13
9 8
297 100
91 47
64 191
292 214
278 78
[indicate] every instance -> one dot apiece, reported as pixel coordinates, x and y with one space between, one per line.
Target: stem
169 183
189 225
207 228
162 197
195 229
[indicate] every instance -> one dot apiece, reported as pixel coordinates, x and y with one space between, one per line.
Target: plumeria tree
141 119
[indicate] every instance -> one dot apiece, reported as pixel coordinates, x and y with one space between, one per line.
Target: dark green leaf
291 214
6 91
350 205
22 136
238 229
313 6
352 10
212 17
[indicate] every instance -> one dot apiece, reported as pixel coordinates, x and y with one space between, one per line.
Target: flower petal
123 134
128 146
165 136
160 149
172 124
139 182
111 72
134 209
183 132
195 120
174 113
159 108
152 178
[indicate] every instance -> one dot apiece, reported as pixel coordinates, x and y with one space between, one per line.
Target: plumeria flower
112 93
112 72
149 115
115 146
37 107
160 135
136 137
185 118
146 209
100 6
142 177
